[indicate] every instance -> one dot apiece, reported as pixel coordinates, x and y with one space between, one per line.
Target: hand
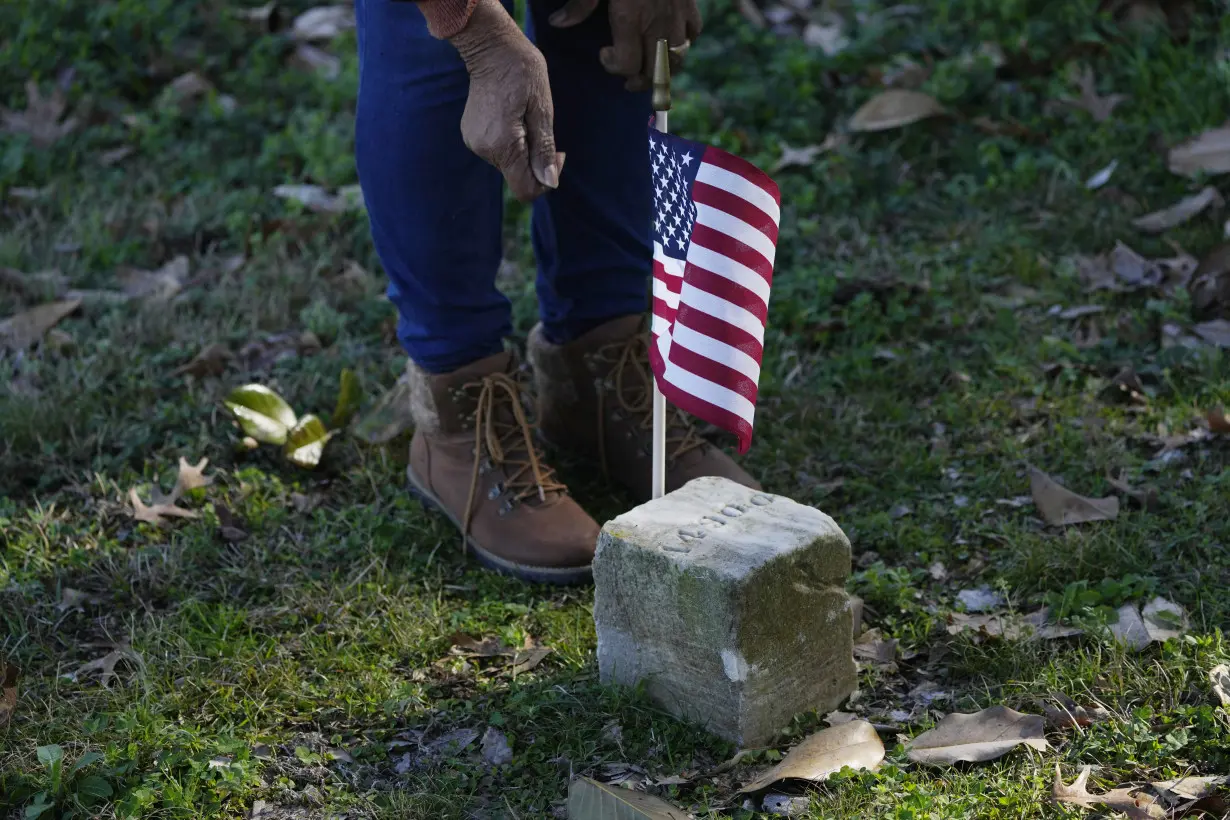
636 27
509 118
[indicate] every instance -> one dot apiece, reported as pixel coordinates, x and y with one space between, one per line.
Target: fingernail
550 177
558 18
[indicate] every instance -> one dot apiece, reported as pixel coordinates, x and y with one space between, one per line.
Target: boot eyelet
496 491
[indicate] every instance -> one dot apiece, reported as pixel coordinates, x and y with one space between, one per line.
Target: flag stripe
718 177
724 266
720 329
737 317
707 370
737 207
662 291
706 390
702 409
716 350
726 245
723 223
723 288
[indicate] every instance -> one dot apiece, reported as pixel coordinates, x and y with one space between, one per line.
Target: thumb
540 133
573 12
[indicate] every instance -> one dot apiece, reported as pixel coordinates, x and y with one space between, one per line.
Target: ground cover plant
996 355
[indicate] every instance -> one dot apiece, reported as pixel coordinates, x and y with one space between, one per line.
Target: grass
308 665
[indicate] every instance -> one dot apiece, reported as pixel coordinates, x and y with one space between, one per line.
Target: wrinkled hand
509 118
636 27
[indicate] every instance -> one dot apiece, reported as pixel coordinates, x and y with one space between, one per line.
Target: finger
627 56
513 160
540 132
693 22
573 12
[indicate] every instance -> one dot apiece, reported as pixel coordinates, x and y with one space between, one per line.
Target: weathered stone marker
729 604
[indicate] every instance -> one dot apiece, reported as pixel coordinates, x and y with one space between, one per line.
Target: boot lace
503 432
633 390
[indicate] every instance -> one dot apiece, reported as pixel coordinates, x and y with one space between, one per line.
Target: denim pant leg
435 208
591 236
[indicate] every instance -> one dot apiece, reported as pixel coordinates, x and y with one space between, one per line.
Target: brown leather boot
596 398
473 457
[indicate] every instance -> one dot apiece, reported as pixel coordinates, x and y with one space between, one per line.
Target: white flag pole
661 107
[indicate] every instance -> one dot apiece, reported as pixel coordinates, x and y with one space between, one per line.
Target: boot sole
559 576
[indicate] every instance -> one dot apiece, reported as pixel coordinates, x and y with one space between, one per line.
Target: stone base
730 605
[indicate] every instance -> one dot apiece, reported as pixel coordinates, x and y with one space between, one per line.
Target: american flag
714 239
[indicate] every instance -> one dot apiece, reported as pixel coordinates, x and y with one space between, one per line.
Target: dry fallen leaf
792 157
983 736
529 656
1192 787
25 329
105 665
311 58
462 644
317 199
1208 152
8 693
1180 212
1219 679
496 750
41 121
1145 497
157 514
829 36
1164 620
1129 629
211 361
590 800
116 155
1210 284
1120 270
1103 176
1138 807
853 743
1089 101
1064 712
1033 626
1061 507
1216 332
42 284
874 648
895 108
155 286
190 477
323 22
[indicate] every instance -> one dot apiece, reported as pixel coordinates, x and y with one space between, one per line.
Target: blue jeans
436 209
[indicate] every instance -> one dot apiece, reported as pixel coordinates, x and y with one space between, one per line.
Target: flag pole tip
662 77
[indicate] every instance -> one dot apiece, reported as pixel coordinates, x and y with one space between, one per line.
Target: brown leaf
155 286
1129 629
1065 713
1146 497
230 526
829 36
308 57
157 514
323 22
27 328
1210 284
105 665
529 656
1010 627
8 693
116 155
46 284
895 108
211 361
808 154
465 645
1061 507
1121 269
979 737
854 744
1089 101
41 121
190 477
874 648
1219 679
1216 332
187 88
1180 212
1138 807
1208 152
1192 787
